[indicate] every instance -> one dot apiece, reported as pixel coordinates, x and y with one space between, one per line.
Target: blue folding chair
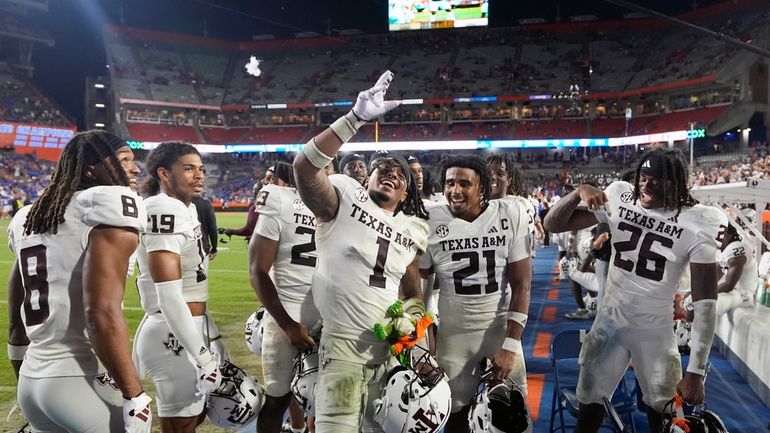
565 350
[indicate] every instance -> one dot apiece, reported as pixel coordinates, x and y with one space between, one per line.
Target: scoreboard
437 14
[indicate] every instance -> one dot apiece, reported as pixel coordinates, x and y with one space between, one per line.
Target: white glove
137 416
371 103
209 376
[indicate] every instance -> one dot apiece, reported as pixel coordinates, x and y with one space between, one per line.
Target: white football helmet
415 398
255 330
305 376
237 401
499 406
567 265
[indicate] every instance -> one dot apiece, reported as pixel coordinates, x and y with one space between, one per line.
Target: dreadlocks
165 155
676 193
474 163
69 176
515 181
413 204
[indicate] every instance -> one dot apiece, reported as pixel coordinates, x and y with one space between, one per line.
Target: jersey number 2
646 255
473 267
34 270
297 250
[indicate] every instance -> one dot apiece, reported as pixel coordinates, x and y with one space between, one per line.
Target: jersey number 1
34 271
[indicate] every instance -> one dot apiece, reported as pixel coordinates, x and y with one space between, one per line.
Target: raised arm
313 185
565 214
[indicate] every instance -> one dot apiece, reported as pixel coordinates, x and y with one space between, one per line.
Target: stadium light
99 105
99 125
99 86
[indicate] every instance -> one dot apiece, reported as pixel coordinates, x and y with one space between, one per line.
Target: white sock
297 430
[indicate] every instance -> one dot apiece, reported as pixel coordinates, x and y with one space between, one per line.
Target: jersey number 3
646 255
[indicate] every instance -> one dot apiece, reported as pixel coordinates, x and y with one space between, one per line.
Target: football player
368 242
354 166
739 269
67 329
171 341
282 260
657 229
507 183
476 247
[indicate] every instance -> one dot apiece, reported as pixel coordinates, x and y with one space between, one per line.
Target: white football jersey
653 247
362 255
528 207
174 227
284 218
470 258
51 267
750 276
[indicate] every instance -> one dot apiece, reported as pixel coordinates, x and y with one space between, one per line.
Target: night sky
76 27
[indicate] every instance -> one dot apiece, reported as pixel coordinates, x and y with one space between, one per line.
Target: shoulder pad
344 183
117 206
168 215
270 200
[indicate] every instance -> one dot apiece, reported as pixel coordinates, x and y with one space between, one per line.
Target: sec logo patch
626 197
442 231
362 195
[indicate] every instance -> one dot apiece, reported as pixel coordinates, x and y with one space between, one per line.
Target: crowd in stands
500 61
20 102
231 177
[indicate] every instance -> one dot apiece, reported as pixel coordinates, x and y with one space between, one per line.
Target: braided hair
69 176
515 180
413 205
165 155
476 164
674 173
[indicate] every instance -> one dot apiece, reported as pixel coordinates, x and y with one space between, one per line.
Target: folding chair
565 350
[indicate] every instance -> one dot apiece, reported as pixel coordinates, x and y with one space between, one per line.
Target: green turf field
231 300
460 14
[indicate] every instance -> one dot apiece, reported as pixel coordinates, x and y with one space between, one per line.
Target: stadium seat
565 351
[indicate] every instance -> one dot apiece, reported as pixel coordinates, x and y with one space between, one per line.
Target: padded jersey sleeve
169 224
711 232
16 227
269 205
515 211
735 249
617 193
116 206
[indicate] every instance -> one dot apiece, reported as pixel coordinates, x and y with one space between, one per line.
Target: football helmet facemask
237 401
499 406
